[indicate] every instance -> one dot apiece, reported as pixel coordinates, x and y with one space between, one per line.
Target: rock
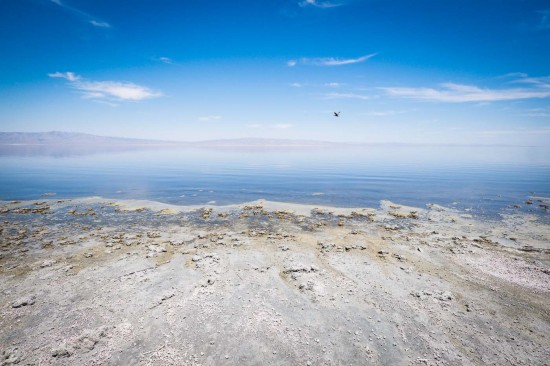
184 239
48 263
299 267
326 246
88 255
62 351
399 257
391 227
168 295
156 248
89 338
196 258
208 282
24 301
444 296
10 357
152 234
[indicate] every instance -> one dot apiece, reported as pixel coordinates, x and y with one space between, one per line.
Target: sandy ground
96 282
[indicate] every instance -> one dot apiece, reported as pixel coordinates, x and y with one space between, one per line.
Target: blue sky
425 71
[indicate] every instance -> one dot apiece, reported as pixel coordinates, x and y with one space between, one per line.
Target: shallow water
482 180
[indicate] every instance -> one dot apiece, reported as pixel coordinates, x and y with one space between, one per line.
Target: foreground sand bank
98 282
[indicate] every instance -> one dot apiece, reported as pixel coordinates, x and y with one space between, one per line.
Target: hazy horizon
45 137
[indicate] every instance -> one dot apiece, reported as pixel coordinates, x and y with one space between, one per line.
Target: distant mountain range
66 138
82 139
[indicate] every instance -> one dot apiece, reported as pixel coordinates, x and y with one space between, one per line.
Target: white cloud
541 82
346 96
330 61
64 75
100 24
166 60
210 118
115 89
296 85
338 62
319 4
333 85
107 90
458 93
283 125
82 14
254 125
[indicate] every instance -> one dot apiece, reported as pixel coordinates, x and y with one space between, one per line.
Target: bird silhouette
336 114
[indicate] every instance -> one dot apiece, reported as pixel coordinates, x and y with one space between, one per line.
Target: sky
423 71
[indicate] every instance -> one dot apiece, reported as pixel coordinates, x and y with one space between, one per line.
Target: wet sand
99 282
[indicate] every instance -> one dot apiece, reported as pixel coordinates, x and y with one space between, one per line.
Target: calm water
482 180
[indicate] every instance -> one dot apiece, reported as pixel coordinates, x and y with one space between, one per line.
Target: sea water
482 180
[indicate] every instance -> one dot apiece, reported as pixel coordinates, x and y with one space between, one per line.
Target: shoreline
95 281
538 203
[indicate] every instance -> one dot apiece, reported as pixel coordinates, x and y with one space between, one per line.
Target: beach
100 282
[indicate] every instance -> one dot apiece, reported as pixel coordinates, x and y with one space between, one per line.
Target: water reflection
483 179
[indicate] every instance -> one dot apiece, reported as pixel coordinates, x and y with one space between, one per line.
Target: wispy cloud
319 4
541 82
458 93
106 90
210 118
65 75
100 24
166 60
82 14
544 23
537 112
385 113
346 96
540 131
296 85
330 61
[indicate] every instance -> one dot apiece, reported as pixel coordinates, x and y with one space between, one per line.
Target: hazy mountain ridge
68 138
73 138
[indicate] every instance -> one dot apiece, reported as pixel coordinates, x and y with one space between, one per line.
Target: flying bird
336 114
